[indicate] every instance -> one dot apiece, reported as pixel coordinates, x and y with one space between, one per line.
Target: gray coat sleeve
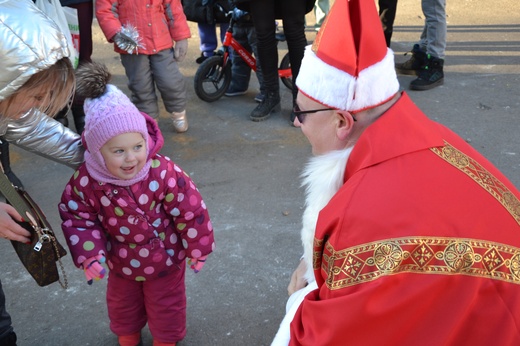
40 134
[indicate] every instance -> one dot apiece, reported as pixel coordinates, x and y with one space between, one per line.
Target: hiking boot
9 339
270 104
413 65
180 121
430 76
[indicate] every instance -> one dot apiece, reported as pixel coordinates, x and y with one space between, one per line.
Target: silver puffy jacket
38 44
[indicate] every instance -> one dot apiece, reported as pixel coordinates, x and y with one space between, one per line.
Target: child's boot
160 343
130 340
180 121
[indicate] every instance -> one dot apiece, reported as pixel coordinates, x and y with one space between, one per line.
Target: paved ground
248 173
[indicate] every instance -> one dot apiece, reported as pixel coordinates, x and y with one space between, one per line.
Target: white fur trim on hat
336 88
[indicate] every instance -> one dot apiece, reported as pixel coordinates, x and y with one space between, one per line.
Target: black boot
430 76
62 117
6 164
9 340
79 118
413 65
270 104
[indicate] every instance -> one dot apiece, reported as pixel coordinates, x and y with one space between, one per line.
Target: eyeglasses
301 114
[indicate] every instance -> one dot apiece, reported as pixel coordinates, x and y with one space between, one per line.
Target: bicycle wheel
211 79
285 72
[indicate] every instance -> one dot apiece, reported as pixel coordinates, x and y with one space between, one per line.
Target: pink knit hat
108 113
349 66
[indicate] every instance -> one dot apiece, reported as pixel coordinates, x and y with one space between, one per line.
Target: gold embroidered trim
420 255
482 177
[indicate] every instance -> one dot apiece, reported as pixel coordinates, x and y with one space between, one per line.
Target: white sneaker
180 121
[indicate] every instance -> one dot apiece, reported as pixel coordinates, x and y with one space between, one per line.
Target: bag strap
25 207
11 194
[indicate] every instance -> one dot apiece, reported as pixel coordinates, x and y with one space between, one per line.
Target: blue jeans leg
208 37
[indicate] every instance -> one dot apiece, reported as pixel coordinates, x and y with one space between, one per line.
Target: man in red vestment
410 235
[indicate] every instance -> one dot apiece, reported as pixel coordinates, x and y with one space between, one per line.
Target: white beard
322 177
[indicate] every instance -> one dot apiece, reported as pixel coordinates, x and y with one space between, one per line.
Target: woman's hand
9 229
297 280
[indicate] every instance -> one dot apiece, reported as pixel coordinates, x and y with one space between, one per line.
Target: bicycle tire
286 64
212 79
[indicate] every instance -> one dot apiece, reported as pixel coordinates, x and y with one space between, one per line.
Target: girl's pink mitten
93 268
197 263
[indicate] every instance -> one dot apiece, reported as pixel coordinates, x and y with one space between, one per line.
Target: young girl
138 209
143 33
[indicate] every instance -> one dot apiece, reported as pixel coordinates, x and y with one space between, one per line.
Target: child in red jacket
136 208
143 32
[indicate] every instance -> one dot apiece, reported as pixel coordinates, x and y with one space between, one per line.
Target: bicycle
213 76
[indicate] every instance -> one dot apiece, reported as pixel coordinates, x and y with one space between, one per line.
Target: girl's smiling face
125 155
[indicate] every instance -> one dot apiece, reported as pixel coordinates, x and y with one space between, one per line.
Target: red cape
421 245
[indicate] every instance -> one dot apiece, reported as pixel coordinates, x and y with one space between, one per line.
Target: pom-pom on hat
108 113
349 66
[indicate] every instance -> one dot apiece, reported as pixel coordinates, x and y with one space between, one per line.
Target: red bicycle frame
229 41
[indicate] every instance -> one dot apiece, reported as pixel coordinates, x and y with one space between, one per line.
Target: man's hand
9 229
297 280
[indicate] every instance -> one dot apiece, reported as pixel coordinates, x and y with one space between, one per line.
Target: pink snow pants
160 302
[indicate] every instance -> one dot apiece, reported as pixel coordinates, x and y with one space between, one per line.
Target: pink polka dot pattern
146 230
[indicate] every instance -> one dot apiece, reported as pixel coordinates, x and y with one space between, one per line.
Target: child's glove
128 39
125 42
197 263
180 50
93 268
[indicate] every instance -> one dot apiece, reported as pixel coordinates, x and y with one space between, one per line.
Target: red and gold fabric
421 245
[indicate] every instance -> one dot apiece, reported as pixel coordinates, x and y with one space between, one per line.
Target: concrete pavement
248 174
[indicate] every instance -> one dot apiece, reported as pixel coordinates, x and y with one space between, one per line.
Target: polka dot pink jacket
145 230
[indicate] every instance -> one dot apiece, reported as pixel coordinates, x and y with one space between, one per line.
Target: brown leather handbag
43 255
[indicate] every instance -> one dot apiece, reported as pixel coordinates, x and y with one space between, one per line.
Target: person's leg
240 70
387 11
253 42
223 28
85 18
264 21
169 80
172 86
7 334
436 27
431 74
126 309
208 41
165 301
141 83
293 12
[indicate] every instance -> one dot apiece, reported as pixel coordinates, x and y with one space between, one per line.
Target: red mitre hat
349 66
